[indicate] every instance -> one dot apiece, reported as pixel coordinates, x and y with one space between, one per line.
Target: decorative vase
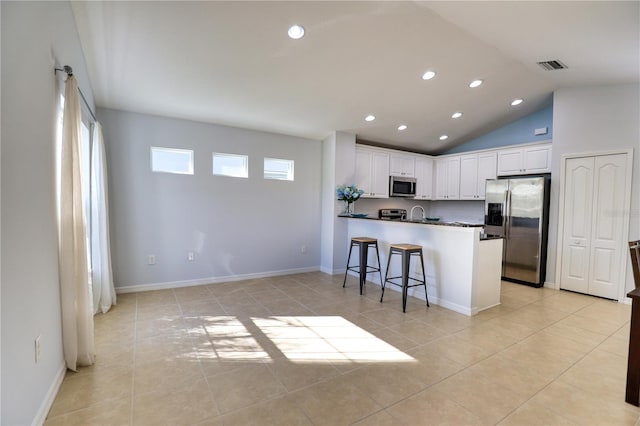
348 208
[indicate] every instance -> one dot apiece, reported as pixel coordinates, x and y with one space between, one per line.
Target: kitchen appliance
517 209
402 186
392 214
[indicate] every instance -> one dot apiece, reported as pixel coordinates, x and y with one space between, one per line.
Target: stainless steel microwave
402 186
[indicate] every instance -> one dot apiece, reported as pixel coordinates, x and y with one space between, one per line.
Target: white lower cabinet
372 172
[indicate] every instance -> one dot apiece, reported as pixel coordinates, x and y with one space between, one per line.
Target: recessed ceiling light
516 102
402 127
475 83
370 117
296 32
456 115
444 137
428 75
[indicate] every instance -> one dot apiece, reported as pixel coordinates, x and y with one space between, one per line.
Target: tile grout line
194 349
566 369
485 358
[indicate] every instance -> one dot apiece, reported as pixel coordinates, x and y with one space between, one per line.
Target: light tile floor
301 350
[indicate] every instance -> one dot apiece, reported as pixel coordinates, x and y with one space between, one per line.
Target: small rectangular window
233 165
172 160
275 168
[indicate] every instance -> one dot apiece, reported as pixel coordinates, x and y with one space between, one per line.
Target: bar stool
363 267
406 251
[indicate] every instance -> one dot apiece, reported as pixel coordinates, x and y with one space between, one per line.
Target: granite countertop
425 222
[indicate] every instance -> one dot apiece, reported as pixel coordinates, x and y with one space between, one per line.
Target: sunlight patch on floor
327 339
301 339
228 339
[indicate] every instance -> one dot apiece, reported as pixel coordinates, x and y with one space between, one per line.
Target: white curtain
75 294
104 294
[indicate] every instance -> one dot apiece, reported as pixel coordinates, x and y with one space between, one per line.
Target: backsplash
448 211
458 211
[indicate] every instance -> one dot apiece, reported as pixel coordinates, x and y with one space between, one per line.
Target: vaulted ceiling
232 62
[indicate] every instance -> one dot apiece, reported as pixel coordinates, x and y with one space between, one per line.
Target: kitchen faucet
424 215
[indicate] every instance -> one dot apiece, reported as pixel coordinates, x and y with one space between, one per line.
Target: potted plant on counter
349 194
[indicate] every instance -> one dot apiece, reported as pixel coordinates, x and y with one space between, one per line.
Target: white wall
595 119
338 168
36 36
237 227
328 221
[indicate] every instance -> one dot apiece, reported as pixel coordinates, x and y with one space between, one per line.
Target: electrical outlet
303 249
151 260
190 256
37 348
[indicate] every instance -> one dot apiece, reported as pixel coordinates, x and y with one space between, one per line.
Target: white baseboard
419 294
211 280
551 285
332 271
43 411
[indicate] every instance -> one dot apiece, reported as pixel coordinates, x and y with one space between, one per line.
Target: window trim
221 155
290 175
191 170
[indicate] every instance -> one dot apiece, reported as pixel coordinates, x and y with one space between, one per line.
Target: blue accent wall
518 132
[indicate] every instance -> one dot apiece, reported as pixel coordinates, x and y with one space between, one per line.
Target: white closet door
607 225
578 205
593 224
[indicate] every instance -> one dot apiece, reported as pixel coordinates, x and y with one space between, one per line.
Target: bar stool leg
379 266
386 274
424 277
347 270
364 258
405 279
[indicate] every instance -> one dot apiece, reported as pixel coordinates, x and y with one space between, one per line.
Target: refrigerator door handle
507 214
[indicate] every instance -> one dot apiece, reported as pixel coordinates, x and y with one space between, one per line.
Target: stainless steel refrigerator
517 209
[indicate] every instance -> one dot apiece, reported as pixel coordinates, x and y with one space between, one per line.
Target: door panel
606 240
577 257
578 193
602 260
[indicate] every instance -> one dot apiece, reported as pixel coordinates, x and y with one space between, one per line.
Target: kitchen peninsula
463 270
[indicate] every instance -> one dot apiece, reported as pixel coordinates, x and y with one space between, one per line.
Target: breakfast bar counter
463 270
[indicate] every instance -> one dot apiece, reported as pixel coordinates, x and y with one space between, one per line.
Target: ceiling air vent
552 65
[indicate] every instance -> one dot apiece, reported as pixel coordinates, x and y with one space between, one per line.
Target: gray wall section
588 120
36 36
236 227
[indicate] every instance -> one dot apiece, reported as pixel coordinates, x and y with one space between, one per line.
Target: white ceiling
232 62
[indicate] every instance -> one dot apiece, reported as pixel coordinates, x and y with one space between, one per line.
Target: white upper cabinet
424 177
524 160
475 169
402 165
372 172
448 178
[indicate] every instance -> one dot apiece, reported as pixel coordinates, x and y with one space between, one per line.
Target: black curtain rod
67 69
